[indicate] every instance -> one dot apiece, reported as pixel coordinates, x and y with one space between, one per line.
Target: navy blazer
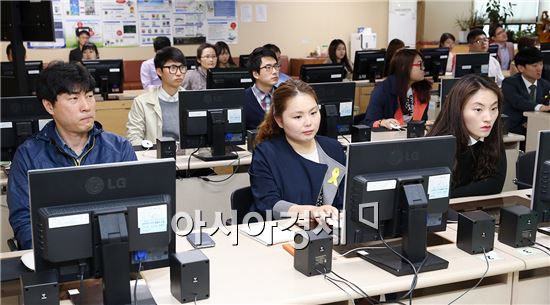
384 102
254 113
517 100
279 173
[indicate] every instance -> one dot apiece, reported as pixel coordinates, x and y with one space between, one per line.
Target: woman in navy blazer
293 169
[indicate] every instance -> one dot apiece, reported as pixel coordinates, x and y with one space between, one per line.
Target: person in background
403 96
526 90
224 55
89 51
9 53
479 43
207 58
393 47
155 114
447 40
338 54
264 70
471 114
72 138
293 169
505 52
83 37
282 77
148 73
525 41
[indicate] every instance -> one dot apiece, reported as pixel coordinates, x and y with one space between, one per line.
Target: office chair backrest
525 166
241 200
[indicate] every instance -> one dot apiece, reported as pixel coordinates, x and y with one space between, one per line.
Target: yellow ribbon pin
334 178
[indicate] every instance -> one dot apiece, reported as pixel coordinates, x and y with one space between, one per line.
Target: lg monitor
540 199
104 220
322 73
369 65
243 61
214 119
191 62
34 18
108 75
546 65
336 100
21 118
435 61
220 78
398 188
472 63
9 81
446 85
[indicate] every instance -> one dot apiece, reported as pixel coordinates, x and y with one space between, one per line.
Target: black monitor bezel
111 63
363 58
216 78
342 90
478 59
330 73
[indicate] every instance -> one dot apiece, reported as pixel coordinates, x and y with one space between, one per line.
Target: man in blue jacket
73 138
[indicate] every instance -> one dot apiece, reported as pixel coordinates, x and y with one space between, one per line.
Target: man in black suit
83 35
526 90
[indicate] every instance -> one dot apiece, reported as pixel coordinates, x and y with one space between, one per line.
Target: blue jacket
384 102
45 150
254 114
279 173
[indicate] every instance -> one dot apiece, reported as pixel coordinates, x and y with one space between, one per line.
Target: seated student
525 41
207 58
83 37
264 69
505 52
224 55
403 96
338 54
394 46
471 114
293 169
479 43
282 77
89 51
526 90
155 114
73 138
9 53
447 40
148 73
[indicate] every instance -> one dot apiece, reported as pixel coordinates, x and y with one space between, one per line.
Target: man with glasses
155 114
505 52
479 43
264 69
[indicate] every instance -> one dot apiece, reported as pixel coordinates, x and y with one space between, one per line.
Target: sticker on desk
234 116
346 108
526 251
438 186
68 221
152 219
491 256
197 114
381 185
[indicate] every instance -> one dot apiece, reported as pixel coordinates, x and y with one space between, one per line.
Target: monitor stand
104 88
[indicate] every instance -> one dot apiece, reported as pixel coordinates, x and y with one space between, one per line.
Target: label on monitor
152 219
438 186
381 185
380 59
6 125
443 56
31 72
42 123
339 75
466 67
346 108
197 114
234 116
246 80
68 221
485 69
114 70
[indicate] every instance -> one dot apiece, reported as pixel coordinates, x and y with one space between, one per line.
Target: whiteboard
402 21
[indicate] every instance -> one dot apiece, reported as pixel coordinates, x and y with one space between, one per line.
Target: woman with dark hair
471 114
403 96
293 169
224 55
207 58
89 51
394 46
447 40
338 54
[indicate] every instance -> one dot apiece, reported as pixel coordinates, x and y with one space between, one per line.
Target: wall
440 16
297 27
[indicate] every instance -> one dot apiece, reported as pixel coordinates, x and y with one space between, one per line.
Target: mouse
396 127
146 144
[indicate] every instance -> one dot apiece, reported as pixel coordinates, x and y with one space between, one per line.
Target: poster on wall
71 24
154 20
222 22
120 34
189 17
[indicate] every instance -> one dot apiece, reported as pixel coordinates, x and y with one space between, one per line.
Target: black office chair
525 166
241 200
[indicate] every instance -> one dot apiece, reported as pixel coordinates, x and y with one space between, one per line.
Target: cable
234 170
347 140
363 293
548 248
135 286
479 282
189 160
331 280
81 285
541 249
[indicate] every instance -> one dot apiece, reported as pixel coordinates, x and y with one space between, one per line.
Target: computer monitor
9 81
22 117
220 78
213 118
104 220
446 85
322 73
336 100
35 20
243 61
546 65
435 61
108 75
545 46
369 65
472 63
398 188
540 199
493 50
191 62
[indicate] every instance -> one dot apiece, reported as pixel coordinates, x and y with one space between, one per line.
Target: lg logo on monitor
96 185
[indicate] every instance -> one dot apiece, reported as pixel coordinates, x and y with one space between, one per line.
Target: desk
113 115
536 121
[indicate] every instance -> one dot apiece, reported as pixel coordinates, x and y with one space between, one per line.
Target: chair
241 200
525 166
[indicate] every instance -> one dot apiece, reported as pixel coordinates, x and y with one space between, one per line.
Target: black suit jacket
517 100
75 55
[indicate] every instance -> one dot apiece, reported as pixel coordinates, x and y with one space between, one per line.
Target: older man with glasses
479 43
156 114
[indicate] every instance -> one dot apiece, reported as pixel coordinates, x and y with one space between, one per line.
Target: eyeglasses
420 65
209 56
269 68
482 41
173 69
